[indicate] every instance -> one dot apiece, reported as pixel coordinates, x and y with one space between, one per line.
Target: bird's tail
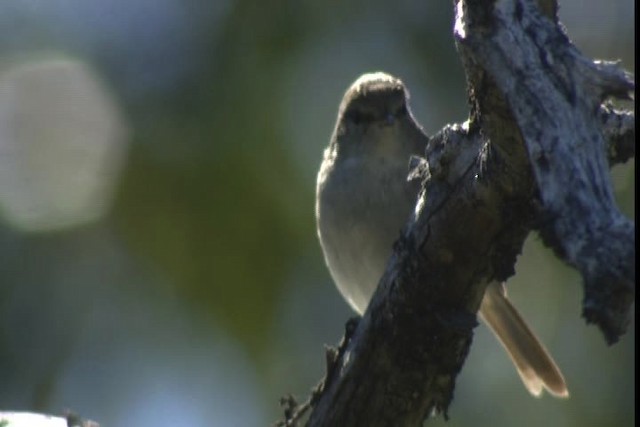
534 364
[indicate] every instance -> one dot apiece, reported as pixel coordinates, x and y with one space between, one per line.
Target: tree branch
619 131
554 94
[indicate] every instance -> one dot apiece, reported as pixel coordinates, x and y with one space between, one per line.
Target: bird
363 199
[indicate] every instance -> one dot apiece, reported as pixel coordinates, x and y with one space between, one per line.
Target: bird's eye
357 117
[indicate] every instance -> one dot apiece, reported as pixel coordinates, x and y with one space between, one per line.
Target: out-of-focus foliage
197 294
59 158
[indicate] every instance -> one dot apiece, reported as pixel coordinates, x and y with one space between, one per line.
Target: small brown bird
363 200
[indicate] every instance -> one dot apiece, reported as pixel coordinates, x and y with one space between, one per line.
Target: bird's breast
362 207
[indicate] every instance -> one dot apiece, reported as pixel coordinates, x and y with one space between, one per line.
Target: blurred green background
158 256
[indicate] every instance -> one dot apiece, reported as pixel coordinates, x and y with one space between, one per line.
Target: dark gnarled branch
554 94
619 131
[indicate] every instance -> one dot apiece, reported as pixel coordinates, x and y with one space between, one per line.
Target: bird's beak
389 120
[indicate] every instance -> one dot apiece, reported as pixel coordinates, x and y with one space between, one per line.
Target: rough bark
554 95
534 155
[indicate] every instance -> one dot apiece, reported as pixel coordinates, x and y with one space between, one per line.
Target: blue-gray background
180 280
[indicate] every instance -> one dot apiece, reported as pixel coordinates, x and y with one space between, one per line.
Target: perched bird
363 200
